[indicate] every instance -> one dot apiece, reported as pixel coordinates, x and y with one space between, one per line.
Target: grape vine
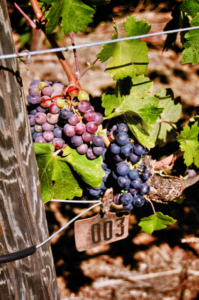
80 152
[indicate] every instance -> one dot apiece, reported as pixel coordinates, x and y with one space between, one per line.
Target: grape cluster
62 116
124 170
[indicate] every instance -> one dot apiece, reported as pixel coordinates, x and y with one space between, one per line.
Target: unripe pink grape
52 118
80 128
69 130
48 82
48 136
90 154
40 139
47 126
40 118
54 109
35 82
34 99
89 115
45 101
98 118
72 91
32 120
73 119
87 137
34 89
58 87
91 127
82 149
58 143
47 90
83 106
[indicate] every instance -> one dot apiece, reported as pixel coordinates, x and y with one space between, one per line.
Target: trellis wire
67 224
53 50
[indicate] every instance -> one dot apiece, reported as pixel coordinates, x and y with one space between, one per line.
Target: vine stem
41 21
169 160
89 67
75 54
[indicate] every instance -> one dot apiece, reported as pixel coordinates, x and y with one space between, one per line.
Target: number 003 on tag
99 230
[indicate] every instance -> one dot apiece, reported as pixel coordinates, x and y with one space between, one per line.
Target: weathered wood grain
22 215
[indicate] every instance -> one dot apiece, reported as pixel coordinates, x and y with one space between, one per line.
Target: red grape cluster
63 116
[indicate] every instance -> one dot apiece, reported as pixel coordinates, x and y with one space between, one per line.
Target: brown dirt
142 266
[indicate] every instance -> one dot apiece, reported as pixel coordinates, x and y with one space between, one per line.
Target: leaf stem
75 54
152 206
171 124
41 21
89 67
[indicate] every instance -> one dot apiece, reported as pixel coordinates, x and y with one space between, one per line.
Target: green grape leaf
133 100
171 113
42 148
188 140
154 222
60 176
191 7
128 57
90 171
75 15
57 179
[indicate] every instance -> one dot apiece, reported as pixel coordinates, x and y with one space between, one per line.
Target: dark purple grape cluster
62 116
124 170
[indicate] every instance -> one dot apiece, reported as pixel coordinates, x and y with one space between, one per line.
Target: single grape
40 118
58 87
41 109
103 165
38 128
34 89
47 90
36 134
136 183
55 96
133 191
134 174
95 193
48 82
134 158
144 189
98 118
145 175
98 150
33 112
42 84
83 95
138 201
143 166
90 154
45 101
138 149
122 128
35 82
115 149
107 173
80 128
31 120
123 182
60 102
128 206
117 158
32 129
87 137
126 149
98 140
91 127
47 126
54 109
34 99
65 114
58 143
122 138
40 139
82 149
58 132
116 199
89 115
123 169
76 141
115 176
72 91
73 120
83 106
69 130
126 198
52 118
48 136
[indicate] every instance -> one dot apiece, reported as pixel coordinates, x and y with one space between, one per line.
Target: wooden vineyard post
22 215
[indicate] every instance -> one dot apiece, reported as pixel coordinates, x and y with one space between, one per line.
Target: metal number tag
99 230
